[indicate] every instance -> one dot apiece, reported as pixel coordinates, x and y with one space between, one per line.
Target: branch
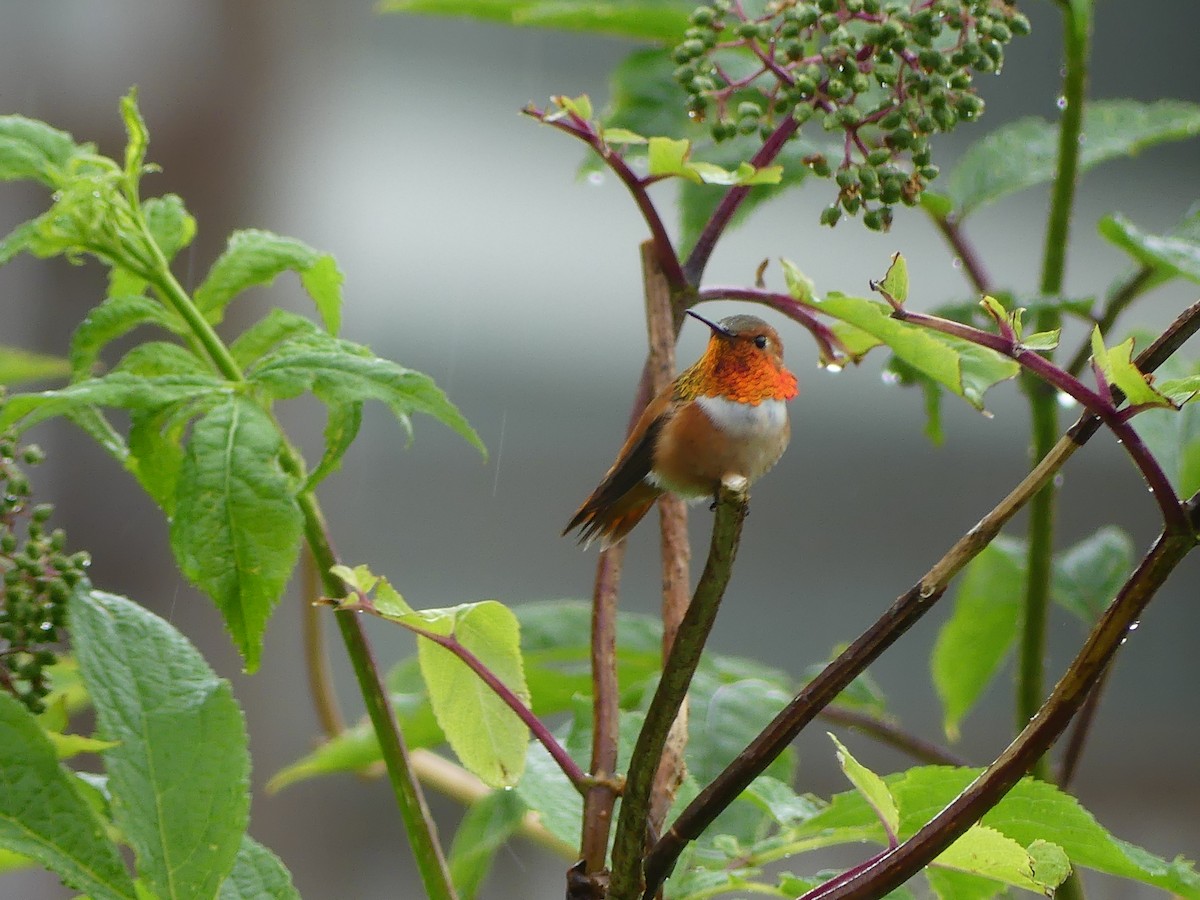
600 799
584 131
570 768
630 841
895 866
1048 373
902 615
320 679
697 260
662 326
964 250
892 735
832 350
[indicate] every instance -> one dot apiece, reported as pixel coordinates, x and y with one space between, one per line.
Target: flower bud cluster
887 74
37 576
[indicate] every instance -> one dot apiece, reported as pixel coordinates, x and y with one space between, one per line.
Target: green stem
422 832
1042 400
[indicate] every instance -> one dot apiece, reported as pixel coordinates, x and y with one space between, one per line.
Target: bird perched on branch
724 415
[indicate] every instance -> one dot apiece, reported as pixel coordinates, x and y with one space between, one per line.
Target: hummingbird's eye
760 341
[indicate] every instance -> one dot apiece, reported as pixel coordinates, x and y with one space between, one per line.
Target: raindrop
595 178
1066 401
956 262
987 414
927 591
46 626
1061 102
1134 626
96 195
1059 480
887 376
833 367
1082 139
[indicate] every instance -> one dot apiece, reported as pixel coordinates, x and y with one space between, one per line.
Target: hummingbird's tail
611 518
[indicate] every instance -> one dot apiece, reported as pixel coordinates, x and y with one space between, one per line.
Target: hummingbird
724 415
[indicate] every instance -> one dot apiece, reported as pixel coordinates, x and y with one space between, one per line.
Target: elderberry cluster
37 578
888 74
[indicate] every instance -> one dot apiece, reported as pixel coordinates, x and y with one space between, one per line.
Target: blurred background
472 252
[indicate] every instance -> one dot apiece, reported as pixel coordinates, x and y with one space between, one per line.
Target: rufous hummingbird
724 415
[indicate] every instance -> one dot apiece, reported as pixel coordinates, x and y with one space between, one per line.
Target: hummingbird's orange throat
734 368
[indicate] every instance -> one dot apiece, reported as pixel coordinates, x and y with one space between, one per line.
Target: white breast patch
745 420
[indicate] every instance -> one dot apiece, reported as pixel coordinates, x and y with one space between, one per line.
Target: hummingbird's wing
624 496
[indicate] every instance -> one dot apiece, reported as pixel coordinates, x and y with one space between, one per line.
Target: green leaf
43 815
170 224
257 874
1024 153
236 531
267 333
256 257
137 139
1174 436
1035 812
1116 364
484 733
986 852
972 645
965 368
1087 576
33 150
871 786
488 824
895 280
18 366
340 372
667 156
341 428
155 451
122 390
179 776
663 21
111 319
1168 256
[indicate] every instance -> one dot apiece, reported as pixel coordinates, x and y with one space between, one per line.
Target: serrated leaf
1042 340
179 776
266 334
155 450
986 852
137 138
255 257
112 318
964 368
1116 364
488 824
236 531
871 786
667 156
663 21
1169 255
342 422
44 817
484 733
974 642
33 150
1034 811
18 366
1024 153
895 280
340 372
119 389
1087 576
258 874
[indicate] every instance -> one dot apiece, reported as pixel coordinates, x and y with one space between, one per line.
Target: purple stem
831 346
570 768
636 186
693 269
1174 519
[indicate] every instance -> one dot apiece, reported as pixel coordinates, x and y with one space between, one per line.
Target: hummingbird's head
743 362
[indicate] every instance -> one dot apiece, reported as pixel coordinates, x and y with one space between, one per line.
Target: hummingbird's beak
715 326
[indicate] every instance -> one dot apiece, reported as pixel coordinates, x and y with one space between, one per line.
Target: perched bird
724 415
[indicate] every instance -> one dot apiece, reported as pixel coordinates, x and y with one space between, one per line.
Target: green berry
830 215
